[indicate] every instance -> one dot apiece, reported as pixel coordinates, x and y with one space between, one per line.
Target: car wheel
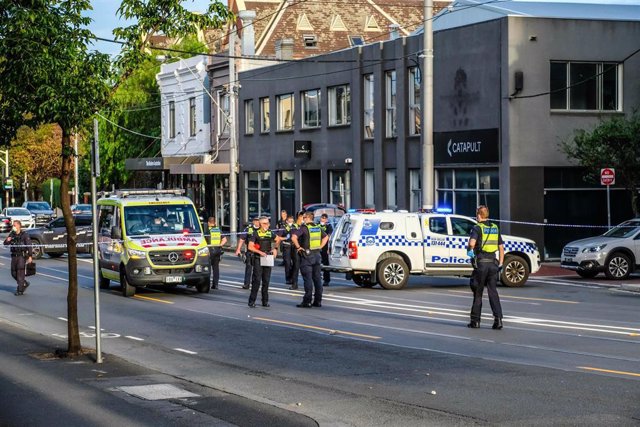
515 271
618 267
127 289
55 254
204 287
36 251
363 280
587 274
393 273
104 282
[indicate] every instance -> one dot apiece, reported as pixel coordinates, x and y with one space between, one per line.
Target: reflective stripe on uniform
489 238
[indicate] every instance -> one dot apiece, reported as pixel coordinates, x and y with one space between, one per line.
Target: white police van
386 247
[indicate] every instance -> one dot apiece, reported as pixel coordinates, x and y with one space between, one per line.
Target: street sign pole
608 178
95 172
608 207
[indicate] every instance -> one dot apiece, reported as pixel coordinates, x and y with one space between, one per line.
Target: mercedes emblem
173 257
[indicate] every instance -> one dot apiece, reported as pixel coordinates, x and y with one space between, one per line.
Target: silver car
21 214
616 252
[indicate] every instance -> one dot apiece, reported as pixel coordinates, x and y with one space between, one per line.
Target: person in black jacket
328 229
20 244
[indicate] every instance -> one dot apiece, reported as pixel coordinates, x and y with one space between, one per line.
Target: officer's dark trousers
326 276
248 268
214 256
288 261
311 273
485 275
295 266
261 275
17 270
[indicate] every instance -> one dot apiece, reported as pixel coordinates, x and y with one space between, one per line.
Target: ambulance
151 238
387 247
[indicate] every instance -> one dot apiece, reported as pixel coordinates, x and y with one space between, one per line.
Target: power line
125 129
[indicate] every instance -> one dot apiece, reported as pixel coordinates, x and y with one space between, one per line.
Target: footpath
40 389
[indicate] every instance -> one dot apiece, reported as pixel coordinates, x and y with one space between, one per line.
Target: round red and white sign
607 176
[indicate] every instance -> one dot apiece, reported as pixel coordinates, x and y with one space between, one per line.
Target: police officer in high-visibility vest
263 242
308 241
216 242
485 240
248 261
328 229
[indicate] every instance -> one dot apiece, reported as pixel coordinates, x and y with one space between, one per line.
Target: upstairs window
311 108
265 123
192 117
415 112
172 119
339 105
248 117
310 41
356 40
391 104
285 112
368 90
585 86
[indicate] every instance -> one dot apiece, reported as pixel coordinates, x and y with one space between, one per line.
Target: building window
415 111
224 112
265 125
311 108
463 190
172 119
257 194
340 191
415 187
390 100
368 90
248 117
285 111
287 192
585 86
192 117
356 40
339 105
392 189
369 188
310 41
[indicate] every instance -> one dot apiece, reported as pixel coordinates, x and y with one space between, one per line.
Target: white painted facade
186 108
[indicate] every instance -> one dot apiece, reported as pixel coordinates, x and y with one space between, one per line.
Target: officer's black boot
497 323
474 324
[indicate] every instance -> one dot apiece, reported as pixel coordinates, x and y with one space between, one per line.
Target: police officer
20 244
262 242
485 240
280 225
308 242
295 255
328 229
216 242
285 247
244 237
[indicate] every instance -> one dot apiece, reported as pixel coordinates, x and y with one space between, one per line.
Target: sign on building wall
469 146
302 149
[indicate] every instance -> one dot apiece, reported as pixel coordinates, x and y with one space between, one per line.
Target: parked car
42 211
20 214
5 224
616 253
55 234
81 209
334 212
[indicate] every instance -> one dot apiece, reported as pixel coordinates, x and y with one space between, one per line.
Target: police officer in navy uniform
295 255
328 229
20 244
244 237
216 242
280 225
285 247
485 240
308 241
262 242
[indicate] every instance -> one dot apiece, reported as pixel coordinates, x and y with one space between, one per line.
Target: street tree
615 143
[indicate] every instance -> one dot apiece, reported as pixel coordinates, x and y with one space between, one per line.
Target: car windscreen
626 229
160 219
23 212
41 206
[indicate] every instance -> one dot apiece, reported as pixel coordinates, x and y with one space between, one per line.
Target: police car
52 238
386 247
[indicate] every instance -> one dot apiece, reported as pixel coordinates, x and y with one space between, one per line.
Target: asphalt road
569 353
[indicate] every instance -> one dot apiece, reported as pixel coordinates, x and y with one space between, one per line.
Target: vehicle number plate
173 279
568 260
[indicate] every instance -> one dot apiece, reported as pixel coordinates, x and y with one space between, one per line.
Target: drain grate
157 391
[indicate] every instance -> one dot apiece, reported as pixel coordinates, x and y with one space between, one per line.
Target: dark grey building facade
345 127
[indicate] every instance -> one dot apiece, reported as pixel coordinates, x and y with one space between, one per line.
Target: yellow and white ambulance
151 238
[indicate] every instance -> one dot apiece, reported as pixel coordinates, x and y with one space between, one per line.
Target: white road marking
134 338
185 351
53 277
64 319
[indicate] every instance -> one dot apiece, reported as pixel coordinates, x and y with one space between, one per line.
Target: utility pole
233 146
95 172
6 175
428 174
76 188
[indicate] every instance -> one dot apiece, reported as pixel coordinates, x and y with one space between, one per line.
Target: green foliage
613 143
45 190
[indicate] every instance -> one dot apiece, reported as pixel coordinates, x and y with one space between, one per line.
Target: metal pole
233 148
427 109
95 172
6 175
608 208
76 187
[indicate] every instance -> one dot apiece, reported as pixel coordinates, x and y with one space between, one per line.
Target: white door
413 236
436 250
459 240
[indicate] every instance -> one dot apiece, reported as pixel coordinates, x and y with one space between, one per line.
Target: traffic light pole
95 172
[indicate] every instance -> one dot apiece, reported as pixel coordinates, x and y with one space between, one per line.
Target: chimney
284 49
248 33
394 31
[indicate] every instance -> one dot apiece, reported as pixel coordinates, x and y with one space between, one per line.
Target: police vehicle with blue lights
387 247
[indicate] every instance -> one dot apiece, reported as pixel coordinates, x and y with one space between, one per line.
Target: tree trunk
68 155
634 201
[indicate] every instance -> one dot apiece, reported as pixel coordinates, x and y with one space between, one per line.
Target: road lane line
134 338
152 299
64 319
185 351
62 271
53 277
318 328
609 371
523 298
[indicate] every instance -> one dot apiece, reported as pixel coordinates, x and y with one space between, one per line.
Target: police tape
545 224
